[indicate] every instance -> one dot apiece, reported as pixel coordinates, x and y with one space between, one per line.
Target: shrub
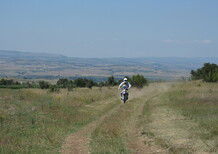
111 81
208 73
81 82
70 86
139 81
90 83
8 82
44 85
63 83
30 84
54 88
101 84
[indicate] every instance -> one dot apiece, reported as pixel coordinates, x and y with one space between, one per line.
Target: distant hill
51 66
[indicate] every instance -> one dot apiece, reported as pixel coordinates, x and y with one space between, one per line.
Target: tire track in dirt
78 143
136 141
124 126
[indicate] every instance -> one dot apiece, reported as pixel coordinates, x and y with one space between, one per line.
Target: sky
111 28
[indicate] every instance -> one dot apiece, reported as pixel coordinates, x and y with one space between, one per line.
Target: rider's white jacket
125 83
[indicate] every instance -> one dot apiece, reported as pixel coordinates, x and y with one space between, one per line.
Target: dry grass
33 120
120 132
161 118
197 101
184 119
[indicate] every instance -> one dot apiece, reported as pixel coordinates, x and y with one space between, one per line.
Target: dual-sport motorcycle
124 94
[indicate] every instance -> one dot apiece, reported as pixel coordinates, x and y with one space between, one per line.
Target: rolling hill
51 66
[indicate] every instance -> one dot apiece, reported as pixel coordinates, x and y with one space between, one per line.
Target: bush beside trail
139 81
208 73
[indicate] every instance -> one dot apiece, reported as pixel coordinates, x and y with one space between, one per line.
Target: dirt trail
78 142
136 140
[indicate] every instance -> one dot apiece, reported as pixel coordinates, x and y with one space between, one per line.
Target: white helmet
125 79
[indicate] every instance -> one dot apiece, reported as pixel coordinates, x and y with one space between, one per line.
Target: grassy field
36 121
198 102
160 118
184 119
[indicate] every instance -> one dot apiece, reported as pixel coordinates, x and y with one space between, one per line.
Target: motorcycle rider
125 85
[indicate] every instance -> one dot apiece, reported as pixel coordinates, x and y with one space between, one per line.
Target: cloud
206 41
170 41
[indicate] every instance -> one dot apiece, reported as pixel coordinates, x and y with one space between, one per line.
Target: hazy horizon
30 52
104 29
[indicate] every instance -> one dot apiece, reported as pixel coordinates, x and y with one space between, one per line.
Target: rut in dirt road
78 142
116 131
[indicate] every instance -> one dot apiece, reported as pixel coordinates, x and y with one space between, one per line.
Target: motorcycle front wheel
125 98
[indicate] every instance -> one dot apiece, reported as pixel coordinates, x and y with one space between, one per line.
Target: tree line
136 80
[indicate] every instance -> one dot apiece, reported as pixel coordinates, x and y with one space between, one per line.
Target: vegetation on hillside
208 73
139 81
12 84
136 80
52 66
